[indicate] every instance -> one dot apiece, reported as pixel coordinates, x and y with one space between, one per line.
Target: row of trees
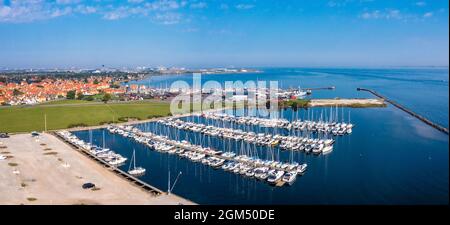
73 95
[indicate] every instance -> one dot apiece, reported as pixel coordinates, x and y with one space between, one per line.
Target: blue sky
195 33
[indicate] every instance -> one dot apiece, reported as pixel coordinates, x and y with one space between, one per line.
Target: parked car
34 134
4 135
88 185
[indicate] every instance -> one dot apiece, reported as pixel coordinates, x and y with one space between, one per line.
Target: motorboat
290 177
302 168
275 176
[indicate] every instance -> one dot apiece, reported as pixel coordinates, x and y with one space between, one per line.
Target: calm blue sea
390 158
423 90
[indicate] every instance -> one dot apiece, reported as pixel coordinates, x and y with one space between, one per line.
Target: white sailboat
136 171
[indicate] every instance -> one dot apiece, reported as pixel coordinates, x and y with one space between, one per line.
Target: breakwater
416 115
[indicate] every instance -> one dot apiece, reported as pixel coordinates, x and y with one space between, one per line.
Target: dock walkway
178 145
147 187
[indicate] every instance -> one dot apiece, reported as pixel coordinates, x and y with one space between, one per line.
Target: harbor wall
410 112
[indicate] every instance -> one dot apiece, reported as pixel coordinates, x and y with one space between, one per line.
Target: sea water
390 158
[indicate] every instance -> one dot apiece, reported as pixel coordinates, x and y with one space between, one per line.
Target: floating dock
410 112
320 88
178 145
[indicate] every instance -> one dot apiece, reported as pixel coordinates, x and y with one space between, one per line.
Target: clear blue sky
82 33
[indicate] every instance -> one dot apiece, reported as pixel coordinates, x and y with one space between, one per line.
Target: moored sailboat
136 171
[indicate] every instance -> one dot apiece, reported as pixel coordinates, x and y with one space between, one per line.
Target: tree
80 96
106 98
71 94
95 81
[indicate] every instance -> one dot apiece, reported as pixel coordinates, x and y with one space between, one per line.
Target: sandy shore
353 102
36 175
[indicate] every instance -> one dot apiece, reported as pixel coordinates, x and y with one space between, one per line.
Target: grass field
30 118
65 101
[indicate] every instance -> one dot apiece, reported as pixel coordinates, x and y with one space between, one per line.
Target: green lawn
24 119
64 101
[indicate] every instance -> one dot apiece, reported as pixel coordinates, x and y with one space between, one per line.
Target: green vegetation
30 118
71 94
295 103
126 119
73 125
80 96
65 101
106 98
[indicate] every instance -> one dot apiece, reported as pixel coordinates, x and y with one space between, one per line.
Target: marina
322 126
87 149
243 160
206 175
228 103
271 170
369 165
285 142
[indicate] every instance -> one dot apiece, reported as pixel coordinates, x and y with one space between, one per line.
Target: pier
195 148
348 102
410 112
320 88
147 187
